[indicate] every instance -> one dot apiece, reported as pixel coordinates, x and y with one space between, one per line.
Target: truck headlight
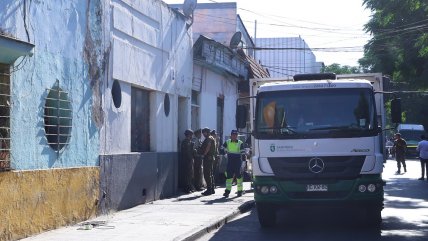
264 189
371 187
362 188
273 189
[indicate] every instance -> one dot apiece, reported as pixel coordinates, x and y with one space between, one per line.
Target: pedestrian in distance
422 148
198 175
399 148
233 148
187 150
208 153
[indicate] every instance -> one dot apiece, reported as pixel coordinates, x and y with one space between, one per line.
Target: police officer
208 154
234 149
187 151
197 180
399 148
216 156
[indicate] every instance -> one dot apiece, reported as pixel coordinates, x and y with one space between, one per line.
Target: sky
333 29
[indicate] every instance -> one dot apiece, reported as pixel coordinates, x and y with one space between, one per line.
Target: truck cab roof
314 84
415 127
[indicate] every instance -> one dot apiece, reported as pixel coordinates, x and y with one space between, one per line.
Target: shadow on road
318 226
407 188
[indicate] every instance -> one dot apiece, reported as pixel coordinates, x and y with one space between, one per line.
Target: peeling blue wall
69 48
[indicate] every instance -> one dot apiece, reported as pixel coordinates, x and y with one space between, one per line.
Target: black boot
226 193
208 192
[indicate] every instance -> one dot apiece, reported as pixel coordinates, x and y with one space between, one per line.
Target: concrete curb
201 231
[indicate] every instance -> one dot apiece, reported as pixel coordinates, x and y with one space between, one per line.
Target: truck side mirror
241 116
396 110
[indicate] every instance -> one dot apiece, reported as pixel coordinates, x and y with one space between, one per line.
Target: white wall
213 86
151 48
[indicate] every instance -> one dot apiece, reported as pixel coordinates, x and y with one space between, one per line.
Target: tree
338 69
399 46
399 49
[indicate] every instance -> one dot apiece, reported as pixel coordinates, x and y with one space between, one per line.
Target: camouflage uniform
187 150
399 148
216 157
208 152
197 180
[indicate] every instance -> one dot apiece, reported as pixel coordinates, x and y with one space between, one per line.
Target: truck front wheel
374 217
266 214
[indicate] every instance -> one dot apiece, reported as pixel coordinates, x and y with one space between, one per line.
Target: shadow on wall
129 180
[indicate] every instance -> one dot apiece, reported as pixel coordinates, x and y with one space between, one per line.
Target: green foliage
338 69
399 49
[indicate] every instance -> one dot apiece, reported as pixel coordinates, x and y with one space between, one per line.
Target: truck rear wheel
266 214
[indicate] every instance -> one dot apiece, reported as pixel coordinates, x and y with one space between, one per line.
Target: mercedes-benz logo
316 165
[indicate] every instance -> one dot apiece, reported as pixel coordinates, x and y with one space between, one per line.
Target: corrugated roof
255 70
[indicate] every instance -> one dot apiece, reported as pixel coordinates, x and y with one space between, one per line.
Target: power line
333 49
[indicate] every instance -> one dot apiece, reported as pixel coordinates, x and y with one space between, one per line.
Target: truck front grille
335 167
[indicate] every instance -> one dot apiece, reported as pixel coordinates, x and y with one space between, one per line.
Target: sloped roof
255 70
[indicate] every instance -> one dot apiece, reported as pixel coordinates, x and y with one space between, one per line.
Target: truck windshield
317 113
412 137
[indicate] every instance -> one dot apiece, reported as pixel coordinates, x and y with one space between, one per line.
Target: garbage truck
412 134
317 140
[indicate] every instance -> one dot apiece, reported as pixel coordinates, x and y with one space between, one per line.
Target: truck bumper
356 192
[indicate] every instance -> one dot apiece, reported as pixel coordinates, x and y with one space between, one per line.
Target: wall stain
36 201
94 56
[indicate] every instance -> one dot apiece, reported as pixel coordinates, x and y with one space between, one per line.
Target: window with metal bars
4 118
58 118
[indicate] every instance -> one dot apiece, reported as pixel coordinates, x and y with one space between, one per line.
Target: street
405 216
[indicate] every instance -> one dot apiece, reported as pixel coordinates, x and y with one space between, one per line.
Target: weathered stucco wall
49 189
36 201
68 40
151 48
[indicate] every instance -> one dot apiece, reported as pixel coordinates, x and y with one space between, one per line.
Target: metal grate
4 118
57 118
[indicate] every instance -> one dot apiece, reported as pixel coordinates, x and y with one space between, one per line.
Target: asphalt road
405 217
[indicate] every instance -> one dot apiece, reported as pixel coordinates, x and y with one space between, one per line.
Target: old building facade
89 112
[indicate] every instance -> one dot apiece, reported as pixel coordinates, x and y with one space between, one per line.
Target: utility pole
255 38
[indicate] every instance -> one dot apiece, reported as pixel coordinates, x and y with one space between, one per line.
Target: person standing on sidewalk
187 150
197 180
423 156
216 156
234 148
208 152
399 148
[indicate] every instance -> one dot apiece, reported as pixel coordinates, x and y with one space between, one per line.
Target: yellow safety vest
234 147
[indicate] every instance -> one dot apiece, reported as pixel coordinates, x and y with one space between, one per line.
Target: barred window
58 118
4 117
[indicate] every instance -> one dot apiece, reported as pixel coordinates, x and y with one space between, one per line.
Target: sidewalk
184 217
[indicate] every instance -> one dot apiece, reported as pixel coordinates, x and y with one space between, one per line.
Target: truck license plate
316 188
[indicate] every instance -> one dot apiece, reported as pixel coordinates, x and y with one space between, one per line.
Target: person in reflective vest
234 148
